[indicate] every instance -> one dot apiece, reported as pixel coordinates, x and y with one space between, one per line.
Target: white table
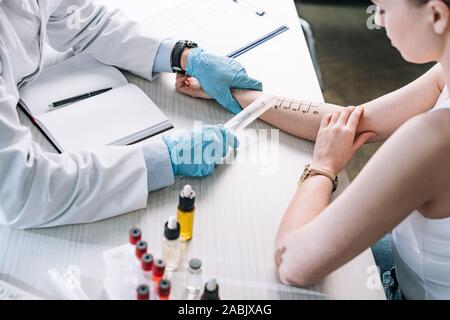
238 209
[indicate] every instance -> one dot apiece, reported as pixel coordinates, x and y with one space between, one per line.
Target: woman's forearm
299 118
310 199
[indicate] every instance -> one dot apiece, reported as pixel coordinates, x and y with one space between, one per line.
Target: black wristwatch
175 57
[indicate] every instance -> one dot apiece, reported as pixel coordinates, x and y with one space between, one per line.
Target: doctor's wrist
158 163
184 56
179 56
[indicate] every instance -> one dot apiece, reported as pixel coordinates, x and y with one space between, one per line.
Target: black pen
60 103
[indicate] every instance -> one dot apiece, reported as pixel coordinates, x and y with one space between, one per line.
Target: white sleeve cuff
159 165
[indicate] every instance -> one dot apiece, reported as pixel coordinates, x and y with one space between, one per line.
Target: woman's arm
383 115
302 118
336 143
410 170
299 118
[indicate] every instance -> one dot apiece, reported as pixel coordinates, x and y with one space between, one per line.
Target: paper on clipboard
223 27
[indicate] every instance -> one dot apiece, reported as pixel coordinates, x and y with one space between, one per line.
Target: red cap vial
135 235
164 289
147 262
141 248
143 292
158 269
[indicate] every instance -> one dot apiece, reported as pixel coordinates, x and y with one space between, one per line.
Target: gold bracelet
308 171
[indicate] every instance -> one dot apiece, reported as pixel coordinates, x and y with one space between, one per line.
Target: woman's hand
336 141
190 87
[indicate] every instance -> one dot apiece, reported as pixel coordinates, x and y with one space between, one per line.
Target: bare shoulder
436 125
421 146
436 147
418 158
428 137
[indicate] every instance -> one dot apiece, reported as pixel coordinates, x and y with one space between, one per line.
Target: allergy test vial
194 280
186 211
172 249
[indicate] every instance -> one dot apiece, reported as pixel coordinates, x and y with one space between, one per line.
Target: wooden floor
358 64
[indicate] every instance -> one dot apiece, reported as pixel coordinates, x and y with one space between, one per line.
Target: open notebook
121 116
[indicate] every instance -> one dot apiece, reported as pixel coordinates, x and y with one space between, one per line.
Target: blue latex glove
195 153
218 75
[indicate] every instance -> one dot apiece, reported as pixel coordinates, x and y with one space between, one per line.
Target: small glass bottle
194 279
186 210
172 250
158 270
211 291
147 265
143 292
135 235
141 249
164 289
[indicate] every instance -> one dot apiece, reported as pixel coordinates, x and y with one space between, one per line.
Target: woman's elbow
299 273
297 276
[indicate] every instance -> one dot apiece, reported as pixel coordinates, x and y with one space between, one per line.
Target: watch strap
308 171
177 52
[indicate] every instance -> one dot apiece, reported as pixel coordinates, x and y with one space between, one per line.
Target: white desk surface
238 208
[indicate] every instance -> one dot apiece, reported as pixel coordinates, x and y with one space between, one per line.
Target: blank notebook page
69 78
102 120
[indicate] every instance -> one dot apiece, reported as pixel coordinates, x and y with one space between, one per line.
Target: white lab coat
39 189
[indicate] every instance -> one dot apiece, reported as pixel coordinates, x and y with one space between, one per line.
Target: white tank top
422 253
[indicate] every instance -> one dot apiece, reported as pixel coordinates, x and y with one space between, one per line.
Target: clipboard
224 27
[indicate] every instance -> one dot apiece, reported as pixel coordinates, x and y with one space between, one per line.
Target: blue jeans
382 252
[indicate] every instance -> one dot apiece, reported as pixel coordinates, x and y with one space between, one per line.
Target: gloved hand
196 152
218 75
